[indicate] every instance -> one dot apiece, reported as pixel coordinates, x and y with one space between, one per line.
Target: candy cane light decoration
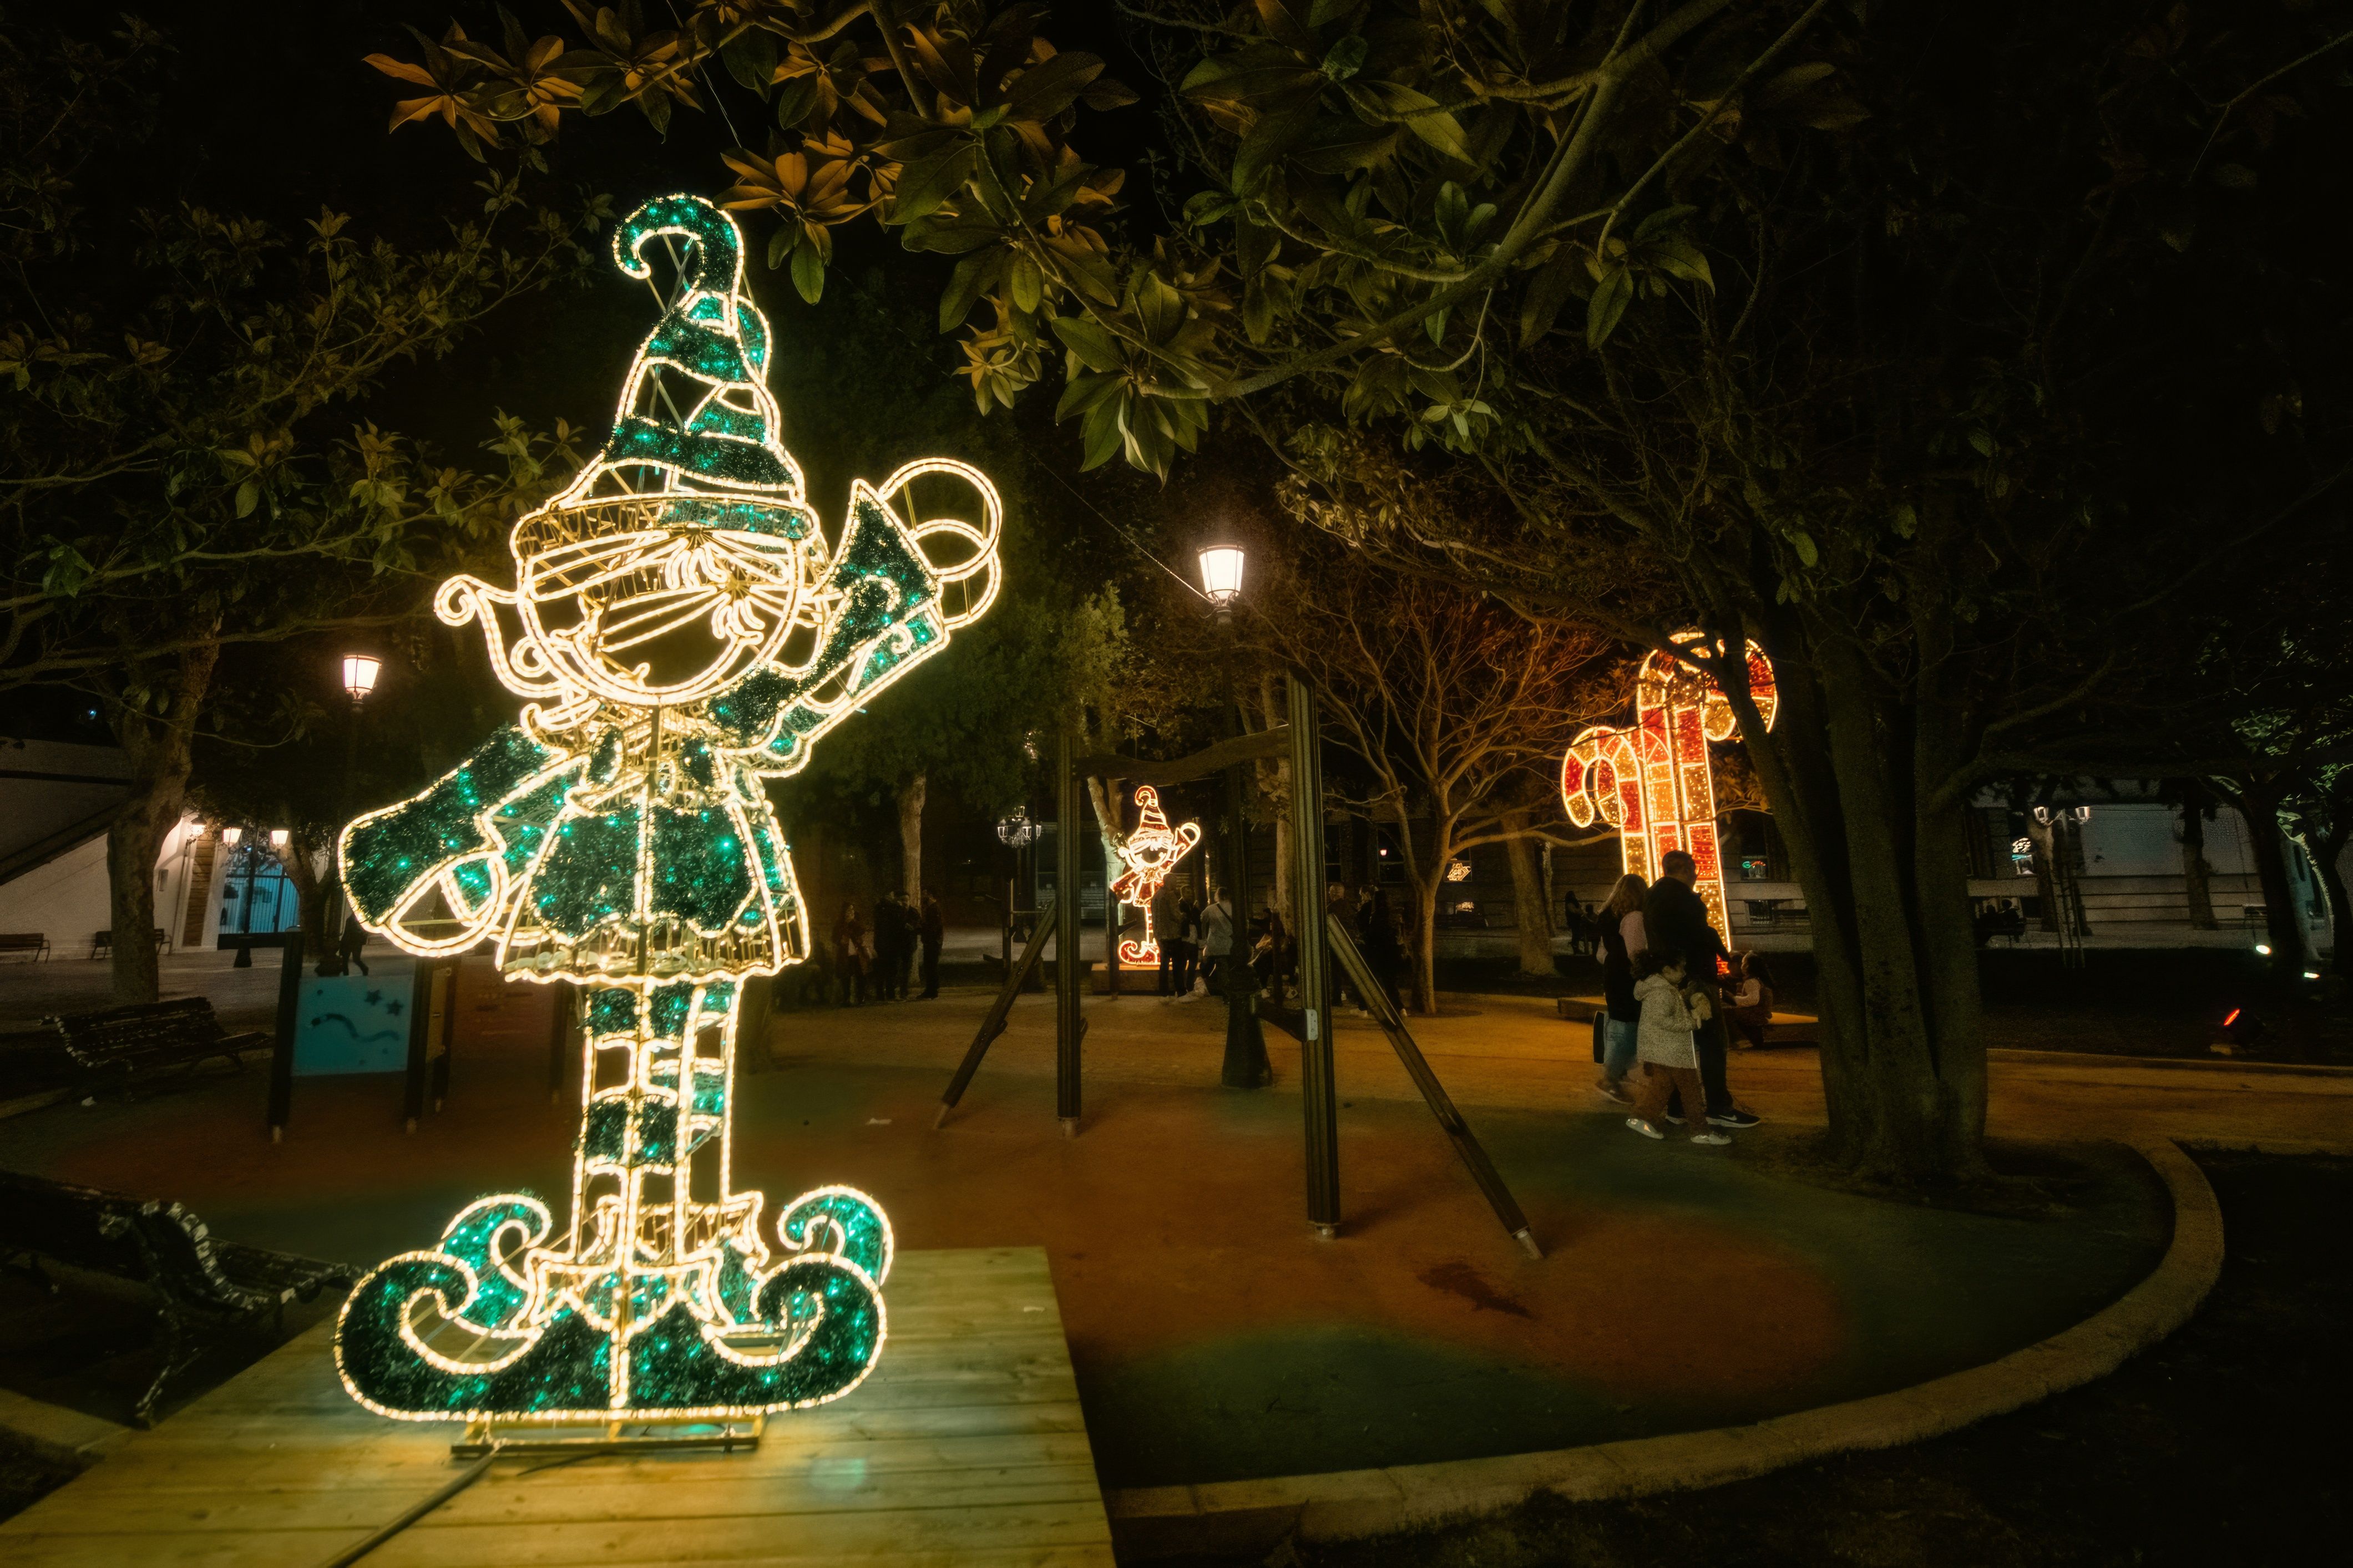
1653 781
1149 853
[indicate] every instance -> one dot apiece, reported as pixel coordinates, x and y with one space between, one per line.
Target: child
1664 1044
1751 1008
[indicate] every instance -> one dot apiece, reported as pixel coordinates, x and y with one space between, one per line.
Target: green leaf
751 58
1983 441
795 100
971 279
1095 348
1346 57
1546 294
808 272
1429 121
248 496
1101 434
2234 176
780 245
1803 544
924 188
1907 521
1028 285
1085 392
1608 304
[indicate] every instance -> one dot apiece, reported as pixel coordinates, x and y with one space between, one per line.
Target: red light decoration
1652 781
1149 853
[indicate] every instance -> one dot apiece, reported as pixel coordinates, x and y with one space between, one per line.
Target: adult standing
934 931
1169 931
1217 940
911 938
1674 920
889 935
852 947
1623 941
1382 950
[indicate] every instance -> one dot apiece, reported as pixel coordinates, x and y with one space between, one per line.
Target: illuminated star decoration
1149 853
684 629
1653 781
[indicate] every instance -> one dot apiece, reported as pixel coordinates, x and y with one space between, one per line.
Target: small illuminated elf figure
683 628
1149 853
1653 781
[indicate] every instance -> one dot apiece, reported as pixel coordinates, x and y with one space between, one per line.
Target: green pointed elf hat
696 416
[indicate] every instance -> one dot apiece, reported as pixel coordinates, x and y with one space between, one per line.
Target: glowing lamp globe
279 837
1222 575
359 674
229 836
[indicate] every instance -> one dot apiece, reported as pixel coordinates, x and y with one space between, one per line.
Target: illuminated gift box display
1653 783
682 628
1149 853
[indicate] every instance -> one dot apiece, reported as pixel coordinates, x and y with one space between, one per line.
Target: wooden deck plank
967 1446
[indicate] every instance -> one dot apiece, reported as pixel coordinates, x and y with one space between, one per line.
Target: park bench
206 1290
35 943
133 1045
102 942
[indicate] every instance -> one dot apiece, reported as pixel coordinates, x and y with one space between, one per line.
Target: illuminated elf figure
1149 853
684 628
1653 783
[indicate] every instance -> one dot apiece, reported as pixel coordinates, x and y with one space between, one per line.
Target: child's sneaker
1673 1118
1612 1092
1646 1130
1717 1139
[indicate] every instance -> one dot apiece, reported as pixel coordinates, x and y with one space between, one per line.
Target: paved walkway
1213 1337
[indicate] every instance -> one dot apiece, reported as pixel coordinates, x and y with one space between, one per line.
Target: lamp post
1016 833
2066 827
359 672
1246 1066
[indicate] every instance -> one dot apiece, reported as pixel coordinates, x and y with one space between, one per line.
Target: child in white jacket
1662 1044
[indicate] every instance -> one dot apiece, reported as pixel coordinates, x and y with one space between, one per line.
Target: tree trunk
911 838
303 873
2257 802
2197 876
2325 852
1531 908
1886 873
1422 939
159 747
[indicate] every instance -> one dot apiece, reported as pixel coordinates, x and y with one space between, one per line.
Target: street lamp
2066 822
1221 575
1246 1066
229 836
359 676
359 672
279 837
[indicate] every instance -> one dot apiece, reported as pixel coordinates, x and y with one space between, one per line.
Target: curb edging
1241 1516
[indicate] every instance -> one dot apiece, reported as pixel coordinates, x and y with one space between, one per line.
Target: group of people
1198 940
1664 968
886 951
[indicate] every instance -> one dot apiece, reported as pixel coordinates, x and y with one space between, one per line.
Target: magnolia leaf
1803 544
1094 347
809 271
1608 304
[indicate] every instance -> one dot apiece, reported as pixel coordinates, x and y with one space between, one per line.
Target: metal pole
1434 1093
1016 975
281 1049
1319 1092
1246 1066
1068 1026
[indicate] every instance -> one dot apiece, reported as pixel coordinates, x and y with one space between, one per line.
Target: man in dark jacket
934 930
1674 920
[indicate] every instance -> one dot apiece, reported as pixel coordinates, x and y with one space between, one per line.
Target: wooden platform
964 1447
